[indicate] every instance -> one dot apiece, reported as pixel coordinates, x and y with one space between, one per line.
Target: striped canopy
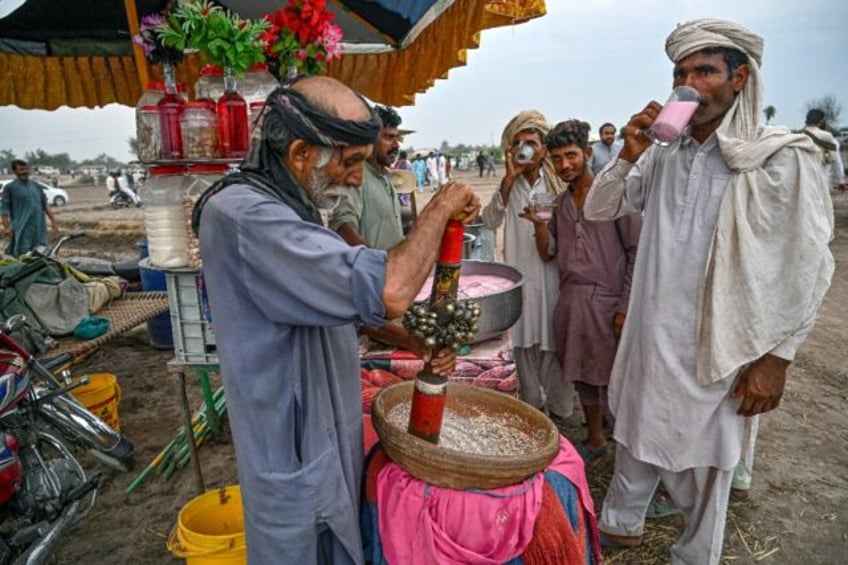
78 53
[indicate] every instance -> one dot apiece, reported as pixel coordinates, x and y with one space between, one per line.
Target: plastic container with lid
163 217
258 84
194 185
210 83
147 133
155 91
199 127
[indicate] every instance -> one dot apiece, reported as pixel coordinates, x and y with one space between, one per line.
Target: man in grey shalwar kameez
732 266
286 294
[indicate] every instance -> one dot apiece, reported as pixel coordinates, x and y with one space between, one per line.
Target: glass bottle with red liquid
233 129
170 107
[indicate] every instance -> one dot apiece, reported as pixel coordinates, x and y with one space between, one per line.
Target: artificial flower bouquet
301 38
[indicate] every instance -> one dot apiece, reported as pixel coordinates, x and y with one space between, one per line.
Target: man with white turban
732 266
539 375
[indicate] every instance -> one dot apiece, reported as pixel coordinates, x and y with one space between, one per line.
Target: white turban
532 120
742 120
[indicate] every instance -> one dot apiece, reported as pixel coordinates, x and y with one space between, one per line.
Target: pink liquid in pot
471 286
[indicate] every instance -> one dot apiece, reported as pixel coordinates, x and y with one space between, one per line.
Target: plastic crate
191 320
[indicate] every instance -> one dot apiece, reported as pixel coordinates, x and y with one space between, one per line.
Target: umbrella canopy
81 55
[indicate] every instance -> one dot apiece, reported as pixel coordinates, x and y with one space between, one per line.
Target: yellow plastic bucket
101 396
210 529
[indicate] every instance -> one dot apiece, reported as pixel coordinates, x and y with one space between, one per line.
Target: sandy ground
798 514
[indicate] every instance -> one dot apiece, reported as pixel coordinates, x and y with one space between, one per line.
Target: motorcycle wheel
121 457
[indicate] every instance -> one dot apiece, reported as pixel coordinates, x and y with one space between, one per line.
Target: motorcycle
96 267
43 487
119 199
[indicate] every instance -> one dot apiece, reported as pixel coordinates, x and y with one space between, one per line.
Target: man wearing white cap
732 266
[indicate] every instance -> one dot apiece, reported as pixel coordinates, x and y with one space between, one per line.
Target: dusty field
799 513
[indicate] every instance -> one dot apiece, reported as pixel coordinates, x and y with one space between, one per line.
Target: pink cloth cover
421 524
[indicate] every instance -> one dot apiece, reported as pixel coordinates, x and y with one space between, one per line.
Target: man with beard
534 347
372 215
605 150
287 295
731 271
595 261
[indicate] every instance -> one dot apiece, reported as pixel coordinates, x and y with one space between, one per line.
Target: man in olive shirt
372 215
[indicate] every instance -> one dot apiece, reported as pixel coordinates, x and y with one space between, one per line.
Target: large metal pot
498 311
468 243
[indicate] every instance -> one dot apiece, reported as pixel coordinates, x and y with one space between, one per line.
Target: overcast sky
598 60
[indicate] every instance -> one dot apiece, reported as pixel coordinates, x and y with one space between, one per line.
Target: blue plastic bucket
159 328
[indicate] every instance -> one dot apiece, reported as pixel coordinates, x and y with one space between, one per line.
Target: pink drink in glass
675 116
543 205
672 120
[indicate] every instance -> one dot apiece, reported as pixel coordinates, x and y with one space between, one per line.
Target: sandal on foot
589 454
739 496
610 541
661 506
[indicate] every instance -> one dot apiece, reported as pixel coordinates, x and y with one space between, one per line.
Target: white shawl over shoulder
770 263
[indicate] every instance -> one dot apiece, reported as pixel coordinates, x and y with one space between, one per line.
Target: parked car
55 196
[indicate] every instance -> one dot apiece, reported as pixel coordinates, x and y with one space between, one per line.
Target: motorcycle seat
127 270
92 266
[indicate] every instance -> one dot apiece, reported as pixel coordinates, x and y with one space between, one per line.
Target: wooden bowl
458 470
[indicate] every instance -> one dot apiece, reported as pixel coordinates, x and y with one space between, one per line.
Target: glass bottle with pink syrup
233 128
170 108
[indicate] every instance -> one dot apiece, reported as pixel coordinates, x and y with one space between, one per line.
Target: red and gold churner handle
437 323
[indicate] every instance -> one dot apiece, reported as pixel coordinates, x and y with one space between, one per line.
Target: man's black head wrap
287 116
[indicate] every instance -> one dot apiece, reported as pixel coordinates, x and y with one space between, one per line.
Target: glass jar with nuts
200 131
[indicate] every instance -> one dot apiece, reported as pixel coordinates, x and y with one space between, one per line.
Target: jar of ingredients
199 131
148 134
194 185
154 93
259 83
210 83
163 217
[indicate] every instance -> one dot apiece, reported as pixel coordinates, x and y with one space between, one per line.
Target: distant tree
37 157
133 142
6 158
770 112
103 160
41 158
831 108
445 146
